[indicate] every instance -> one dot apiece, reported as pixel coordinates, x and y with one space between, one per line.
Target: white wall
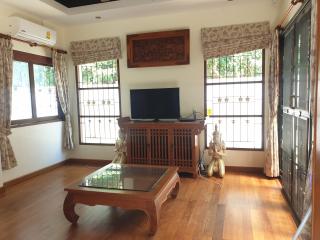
37 146
189 78
40 146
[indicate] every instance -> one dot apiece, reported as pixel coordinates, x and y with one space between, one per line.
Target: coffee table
126 186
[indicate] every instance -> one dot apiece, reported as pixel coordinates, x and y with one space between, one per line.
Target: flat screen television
155 104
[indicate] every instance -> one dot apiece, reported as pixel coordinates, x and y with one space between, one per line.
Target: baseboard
2 191
32 175
90 162
257 170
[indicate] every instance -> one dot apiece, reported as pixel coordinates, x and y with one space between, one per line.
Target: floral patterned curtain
8 159
95 50
306 232
60 72
271 167
232 39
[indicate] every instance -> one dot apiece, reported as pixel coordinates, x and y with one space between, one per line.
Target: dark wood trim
89 162
36 121
32 91
32 175
263 98
119 88
316 150
32 58
2 191
78 103
258 170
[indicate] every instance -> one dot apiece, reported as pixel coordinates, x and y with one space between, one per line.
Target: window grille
234 99
98 89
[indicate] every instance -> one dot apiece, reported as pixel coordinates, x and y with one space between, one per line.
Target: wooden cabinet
163 143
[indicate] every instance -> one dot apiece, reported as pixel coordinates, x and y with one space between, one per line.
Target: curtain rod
31 44
292 4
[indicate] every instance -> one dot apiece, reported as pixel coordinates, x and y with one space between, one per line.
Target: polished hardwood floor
241 206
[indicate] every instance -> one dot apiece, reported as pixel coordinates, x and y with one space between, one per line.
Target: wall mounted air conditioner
26 30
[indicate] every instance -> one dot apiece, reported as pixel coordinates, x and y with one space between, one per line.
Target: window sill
244 149
98 144
31 122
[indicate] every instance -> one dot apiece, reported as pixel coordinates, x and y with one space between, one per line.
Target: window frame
263 108
78 105
32 59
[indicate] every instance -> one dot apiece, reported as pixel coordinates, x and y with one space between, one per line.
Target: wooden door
295 116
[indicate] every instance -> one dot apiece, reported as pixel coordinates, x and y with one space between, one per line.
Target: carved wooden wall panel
158 49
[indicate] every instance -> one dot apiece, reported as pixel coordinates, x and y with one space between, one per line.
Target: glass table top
124 177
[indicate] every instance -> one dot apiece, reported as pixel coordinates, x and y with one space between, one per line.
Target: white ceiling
50 10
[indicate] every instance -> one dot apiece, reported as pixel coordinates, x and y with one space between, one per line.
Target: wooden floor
241 206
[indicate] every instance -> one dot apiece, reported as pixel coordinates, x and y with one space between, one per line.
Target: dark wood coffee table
126 186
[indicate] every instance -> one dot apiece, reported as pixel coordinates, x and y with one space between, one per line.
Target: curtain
306 232
232 39
95 50
271 167
60 72
8 159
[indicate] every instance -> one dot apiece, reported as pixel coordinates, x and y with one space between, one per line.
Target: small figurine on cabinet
216 152
120 148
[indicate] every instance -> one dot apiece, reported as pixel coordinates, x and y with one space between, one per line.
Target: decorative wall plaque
158 48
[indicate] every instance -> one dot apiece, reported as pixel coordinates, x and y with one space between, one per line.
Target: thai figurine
216 152
120 149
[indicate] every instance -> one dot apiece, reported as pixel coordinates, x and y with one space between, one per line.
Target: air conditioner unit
26 30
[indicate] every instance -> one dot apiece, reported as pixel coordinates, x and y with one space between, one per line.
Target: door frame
316 158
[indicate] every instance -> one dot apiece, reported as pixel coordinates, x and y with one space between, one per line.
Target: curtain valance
95 50
232 39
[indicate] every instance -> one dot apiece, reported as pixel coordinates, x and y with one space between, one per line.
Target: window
34 95
234 99
98 89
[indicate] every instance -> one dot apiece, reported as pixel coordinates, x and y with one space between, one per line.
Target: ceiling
79 3
55 11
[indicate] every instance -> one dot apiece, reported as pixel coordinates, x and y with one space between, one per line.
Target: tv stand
163 143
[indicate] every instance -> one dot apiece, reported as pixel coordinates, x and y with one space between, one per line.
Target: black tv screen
158 103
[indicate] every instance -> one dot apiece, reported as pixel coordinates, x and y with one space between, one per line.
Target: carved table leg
68 209
153 213
175 190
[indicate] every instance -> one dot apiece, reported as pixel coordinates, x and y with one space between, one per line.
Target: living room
46 151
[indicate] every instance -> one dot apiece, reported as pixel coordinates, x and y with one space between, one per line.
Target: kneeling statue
216 152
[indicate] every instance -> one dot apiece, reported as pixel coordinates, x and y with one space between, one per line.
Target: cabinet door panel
159 146
183 147
138 146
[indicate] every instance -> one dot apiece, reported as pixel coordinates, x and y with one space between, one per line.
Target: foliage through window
234 99
34 95
99 102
